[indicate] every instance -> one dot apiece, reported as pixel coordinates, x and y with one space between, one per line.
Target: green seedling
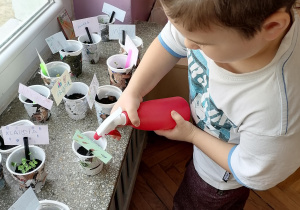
25 165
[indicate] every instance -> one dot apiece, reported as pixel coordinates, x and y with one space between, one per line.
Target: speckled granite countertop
65 181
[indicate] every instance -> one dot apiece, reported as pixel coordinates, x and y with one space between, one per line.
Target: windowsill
19 60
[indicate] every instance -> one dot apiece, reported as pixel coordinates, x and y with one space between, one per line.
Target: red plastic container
156 114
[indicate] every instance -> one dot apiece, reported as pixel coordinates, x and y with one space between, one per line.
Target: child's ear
275 25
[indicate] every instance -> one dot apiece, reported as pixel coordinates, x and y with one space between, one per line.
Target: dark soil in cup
28 101
66 51
107 100
75 62
39 162
87 42
81 150
74 96
3 146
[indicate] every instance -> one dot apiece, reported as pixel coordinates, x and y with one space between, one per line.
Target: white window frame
18 59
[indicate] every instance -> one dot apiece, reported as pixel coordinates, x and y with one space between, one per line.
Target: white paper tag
115 31
119 14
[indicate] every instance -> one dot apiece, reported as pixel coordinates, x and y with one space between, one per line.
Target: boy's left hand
183 131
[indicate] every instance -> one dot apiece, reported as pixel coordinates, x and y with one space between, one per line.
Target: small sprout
25 165
57 75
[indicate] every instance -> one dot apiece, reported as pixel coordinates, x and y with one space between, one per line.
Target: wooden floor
162 168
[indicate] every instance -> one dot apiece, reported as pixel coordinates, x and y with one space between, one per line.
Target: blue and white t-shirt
258 111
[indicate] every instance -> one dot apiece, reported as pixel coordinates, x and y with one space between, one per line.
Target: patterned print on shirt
205 113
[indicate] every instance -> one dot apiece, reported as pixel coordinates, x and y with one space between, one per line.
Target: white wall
19 60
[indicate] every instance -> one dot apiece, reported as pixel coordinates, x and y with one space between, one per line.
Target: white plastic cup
50 204
36 178
2 180
55 70
138 42
77 108
90 52
35 111
119 75
103 21
103 110
90 165
72 55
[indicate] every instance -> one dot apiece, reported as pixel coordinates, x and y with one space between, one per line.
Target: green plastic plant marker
88 144
43 66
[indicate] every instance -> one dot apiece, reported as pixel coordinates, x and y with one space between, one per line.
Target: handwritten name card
108 9
37 134
57 42
61 87
115 31
88 144
91 23
92 91
35 96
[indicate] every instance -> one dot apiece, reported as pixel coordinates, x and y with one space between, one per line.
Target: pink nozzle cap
96 137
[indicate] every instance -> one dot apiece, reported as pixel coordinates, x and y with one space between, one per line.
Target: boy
244 82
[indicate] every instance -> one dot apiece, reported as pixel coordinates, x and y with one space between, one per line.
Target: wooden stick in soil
26 147
89 35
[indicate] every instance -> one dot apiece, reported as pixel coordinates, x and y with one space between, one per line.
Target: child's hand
183 131
129 103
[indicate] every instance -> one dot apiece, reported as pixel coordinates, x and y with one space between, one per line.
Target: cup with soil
2 180
119 75
76 102
36 112
103 21
90 51
55 70
106 97
90 164
28 168
6 149
72 55
138 42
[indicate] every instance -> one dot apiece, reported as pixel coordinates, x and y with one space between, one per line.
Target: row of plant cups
76 109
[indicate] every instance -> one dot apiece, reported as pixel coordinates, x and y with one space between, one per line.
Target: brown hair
245 16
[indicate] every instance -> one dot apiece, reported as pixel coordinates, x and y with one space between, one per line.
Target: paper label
57 42
119 14
88 144
35 96
37 134
92 91
115 31
61 87
28 201
91 23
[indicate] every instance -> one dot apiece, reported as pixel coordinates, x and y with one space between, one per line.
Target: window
17 15
18 57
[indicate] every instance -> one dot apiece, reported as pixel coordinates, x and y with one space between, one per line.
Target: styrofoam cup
90 165
72 55
103 110
55 70
35 111
103 21
119 75
77 108
91 52
36 178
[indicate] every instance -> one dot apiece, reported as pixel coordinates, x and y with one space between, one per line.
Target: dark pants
194 193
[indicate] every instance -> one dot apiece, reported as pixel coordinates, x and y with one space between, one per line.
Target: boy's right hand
130 103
